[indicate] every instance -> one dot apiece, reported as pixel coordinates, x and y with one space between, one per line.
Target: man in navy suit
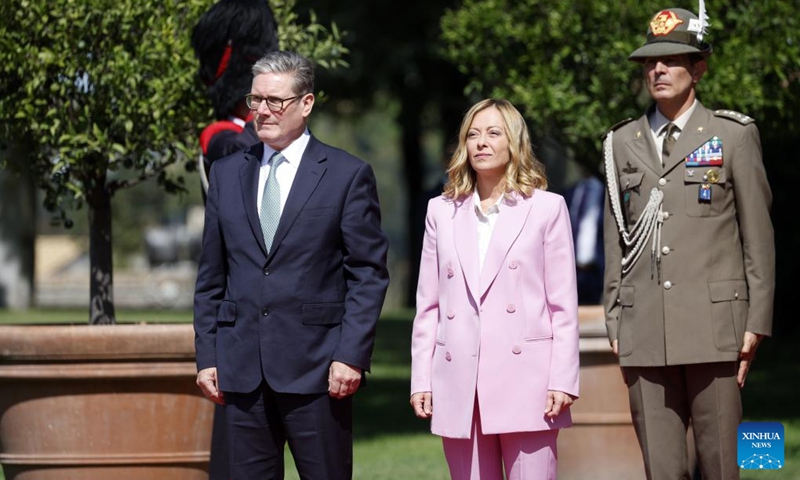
290 285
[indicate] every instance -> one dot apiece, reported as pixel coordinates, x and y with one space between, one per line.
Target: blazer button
451 314
513 265
264 312
667 285
511 308
662 181
450 272
665 250
447 356
266 272
516 350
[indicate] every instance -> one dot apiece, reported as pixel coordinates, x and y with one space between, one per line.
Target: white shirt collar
293 153
493 209
238 121
658 121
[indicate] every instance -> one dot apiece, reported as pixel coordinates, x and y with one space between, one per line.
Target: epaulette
616 126
219 126
736 116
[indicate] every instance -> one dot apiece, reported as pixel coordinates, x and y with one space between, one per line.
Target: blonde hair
524 172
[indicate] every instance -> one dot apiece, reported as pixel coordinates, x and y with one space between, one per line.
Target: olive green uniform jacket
716 274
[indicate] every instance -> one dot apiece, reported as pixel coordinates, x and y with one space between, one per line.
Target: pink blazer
508 331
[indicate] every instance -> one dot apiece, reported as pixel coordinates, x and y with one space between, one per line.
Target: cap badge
665 22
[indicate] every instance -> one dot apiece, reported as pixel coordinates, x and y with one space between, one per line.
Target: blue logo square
760 446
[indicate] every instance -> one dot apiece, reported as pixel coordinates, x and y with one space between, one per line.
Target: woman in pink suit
495 338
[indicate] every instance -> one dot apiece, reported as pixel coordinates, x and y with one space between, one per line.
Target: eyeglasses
274 104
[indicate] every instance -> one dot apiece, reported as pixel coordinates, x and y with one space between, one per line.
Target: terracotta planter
101 402
601 444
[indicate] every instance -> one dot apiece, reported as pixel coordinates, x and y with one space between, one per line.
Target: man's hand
207 381
422 403
747 355
343 379
557 402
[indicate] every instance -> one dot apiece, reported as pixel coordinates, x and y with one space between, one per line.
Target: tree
103 94
564 64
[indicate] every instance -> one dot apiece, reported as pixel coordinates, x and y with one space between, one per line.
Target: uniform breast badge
705 193
708 154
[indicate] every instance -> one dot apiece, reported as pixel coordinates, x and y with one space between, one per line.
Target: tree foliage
97 86
104 95
313 40
564 64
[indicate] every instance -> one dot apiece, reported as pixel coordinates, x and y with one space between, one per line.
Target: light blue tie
271 202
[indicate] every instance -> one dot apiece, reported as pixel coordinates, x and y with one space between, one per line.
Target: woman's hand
557 402
422 403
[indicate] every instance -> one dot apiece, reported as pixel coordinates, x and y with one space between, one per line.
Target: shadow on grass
772 385
382 407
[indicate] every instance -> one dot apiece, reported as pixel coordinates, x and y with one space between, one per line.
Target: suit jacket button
516 350
511 308
667 285
662 181
264 312
451 314
447 356
665 250
266 272
513 265
450 273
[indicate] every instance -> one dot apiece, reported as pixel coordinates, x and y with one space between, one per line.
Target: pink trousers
525 455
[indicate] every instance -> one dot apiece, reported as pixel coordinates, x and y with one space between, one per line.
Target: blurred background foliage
565 63
412 70
103 95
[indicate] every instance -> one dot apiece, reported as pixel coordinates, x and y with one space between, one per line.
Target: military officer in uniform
690 262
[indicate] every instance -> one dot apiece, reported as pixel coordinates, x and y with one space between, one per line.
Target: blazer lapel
309 173
643 147
465 234
248 176
513 215
692 136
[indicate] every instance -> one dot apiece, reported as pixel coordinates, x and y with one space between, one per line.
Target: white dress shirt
486 223
286 170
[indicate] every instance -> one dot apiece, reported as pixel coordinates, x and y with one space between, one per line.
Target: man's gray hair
293 63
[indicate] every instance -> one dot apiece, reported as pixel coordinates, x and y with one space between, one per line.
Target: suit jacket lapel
513 215
248 176
693 135
465 234
643 147
309 173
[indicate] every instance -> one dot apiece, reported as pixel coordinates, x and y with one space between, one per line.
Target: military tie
271 202
669 141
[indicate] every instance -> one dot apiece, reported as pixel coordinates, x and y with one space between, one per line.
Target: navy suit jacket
315 298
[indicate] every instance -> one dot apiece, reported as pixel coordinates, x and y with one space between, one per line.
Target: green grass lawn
390 443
